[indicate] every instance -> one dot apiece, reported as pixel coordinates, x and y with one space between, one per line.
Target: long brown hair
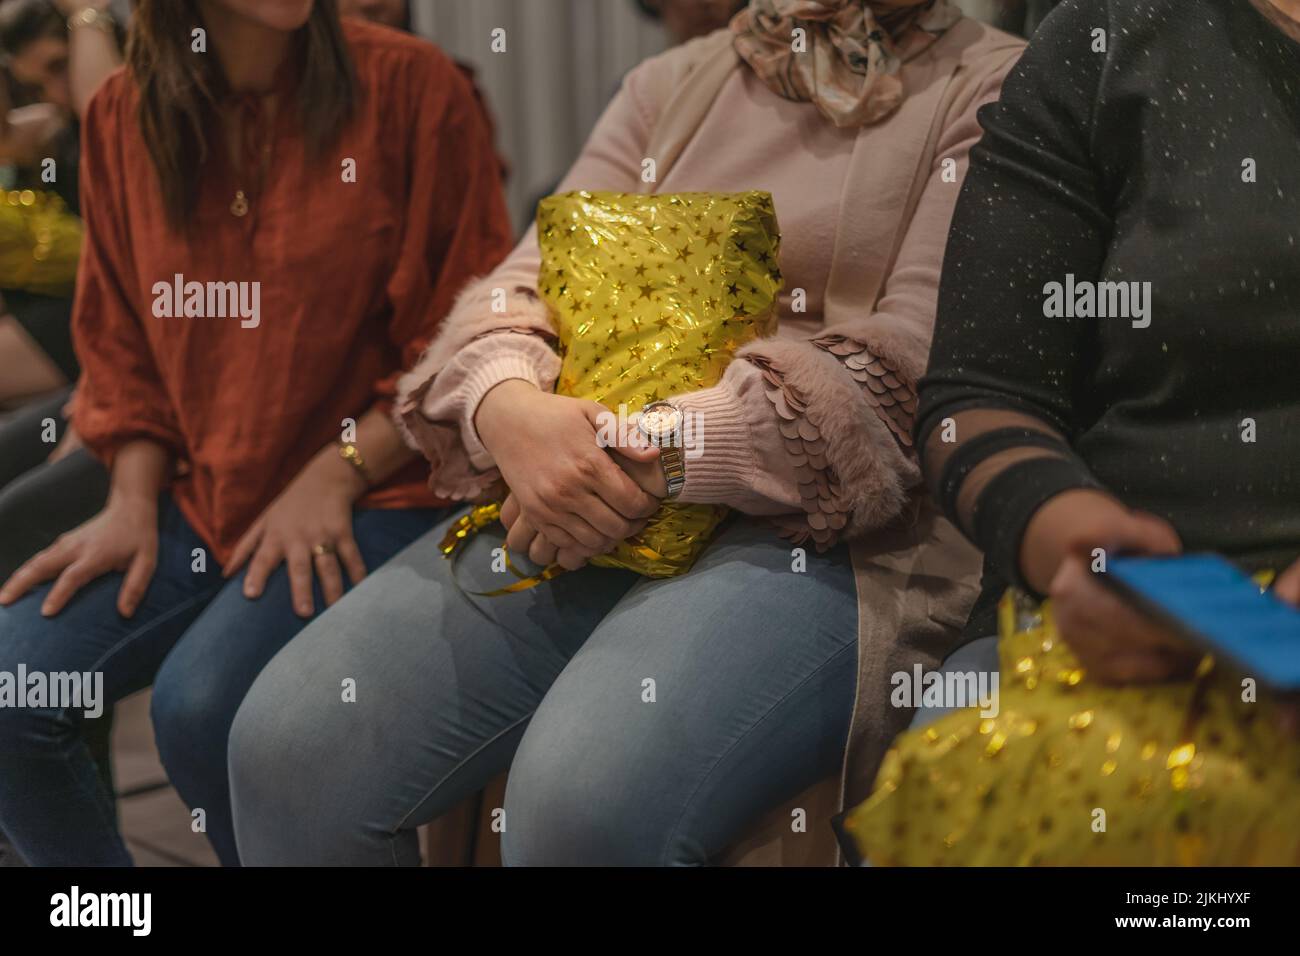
180 90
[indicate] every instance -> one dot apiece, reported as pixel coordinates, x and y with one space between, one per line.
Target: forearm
378 445
818 440
140 470
439 416
735 453
92 55
1008 384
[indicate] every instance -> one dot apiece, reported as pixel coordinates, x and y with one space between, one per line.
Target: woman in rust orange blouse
280 207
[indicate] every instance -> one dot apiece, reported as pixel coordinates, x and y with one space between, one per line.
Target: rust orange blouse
355 277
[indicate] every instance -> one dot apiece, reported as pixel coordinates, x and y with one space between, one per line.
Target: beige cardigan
916 575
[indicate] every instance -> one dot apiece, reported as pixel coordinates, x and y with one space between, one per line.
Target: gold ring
322 549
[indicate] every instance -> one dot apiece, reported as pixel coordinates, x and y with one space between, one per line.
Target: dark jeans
38 500
197 639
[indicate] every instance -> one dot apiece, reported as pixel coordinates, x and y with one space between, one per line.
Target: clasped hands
570 498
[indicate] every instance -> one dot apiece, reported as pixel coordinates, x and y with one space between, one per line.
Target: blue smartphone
1219 608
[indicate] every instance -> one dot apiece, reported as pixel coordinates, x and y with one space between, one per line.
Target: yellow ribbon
479 517
469 525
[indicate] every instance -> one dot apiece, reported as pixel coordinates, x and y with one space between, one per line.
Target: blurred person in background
59 52
55 54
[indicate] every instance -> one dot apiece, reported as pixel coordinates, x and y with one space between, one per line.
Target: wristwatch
661 424
92 17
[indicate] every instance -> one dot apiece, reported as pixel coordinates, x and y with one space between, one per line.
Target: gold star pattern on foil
651 297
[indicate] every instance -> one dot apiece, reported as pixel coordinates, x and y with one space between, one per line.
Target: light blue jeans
643 722
979 656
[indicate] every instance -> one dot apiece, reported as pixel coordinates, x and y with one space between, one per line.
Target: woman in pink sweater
649 721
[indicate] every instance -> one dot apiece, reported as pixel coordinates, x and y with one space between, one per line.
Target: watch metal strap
674 465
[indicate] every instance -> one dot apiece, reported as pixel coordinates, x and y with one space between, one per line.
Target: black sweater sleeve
1004 393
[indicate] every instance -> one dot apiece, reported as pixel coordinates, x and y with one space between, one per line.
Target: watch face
660 422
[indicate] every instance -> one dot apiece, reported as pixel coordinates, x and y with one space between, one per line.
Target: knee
286 757
261 747
191 720
26 730
570 804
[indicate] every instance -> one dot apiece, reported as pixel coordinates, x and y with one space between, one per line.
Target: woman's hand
638 460
122 537
1287 586
641 461
309 528
1115 642
523 538
567 488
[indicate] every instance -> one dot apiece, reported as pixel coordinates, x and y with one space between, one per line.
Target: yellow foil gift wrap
1069 772
651 297
40 243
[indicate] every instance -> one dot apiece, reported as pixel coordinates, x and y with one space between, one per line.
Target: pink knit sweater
780 439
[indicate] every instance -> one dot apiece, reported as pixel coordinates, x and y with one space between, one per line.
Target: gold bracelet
352 455
93 17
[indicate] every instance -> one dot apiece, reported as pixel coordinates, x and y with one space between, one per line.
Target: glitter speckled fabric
651 297
1183 774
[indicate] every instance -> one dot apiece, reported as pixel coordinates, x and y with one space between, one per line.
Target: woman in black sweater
1116 366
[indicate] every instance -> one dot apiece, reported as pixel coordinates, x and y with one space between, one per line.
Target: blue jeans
196 638
649 721
979 656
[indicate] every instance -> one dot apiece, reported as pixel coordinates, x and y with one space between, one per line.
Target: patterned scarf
847 58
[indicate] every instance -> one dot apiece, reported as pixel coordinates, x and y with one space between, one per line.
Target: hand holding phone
1218 608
